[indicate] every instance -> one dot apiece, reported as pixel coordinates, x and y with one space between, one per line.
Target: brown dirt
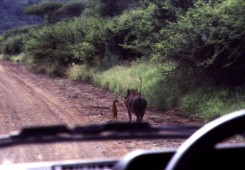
28 99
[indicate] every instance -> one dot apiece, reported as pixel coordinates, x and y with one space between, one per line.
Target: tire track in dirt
25 104
28 99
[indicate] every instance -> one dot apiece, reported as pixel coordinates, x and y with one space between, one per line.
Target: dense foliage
54 11
198 47
207 42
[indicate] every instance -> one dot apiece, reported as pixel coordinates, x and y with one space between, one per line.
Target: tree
111 8
44 10
69 10
207 42
134 32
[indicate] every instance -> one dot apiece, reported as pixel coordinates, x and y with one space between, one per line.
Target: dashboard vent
87 166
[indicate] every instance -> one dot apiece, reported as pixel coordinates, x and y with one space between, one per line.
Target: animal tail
140 85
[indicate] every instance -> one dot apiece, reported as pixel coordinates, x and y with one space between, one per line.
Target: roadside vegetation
190 54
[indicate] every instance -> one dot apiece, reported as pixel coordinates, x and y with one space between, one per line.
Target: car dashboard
204 149
227 157
136 159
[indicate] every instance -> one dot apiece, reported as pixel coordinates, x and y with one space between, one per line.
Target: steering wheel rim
205 139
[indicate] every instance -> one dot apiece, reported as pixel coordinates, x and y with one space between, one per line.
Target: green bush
52 45
18 58
162 93
13 45
131 34
93 44
109 59
80 41
208 41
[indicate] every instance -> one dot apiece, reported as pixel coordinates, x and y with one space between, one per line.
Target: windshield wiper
97 132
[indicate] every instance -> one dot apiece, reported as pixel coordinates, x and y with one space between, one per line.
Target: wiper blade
97 132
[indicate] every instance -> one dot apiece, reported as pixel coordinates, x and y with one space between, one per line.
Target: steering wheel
204 140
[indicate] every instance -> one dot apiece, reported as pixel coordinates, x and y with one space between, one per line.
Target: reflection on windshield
82 150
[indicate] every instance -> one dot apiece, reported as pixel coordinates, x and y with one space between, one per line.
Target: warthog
136 104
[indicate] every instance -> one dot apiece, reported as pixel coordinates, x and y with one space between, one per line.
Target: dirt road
28 99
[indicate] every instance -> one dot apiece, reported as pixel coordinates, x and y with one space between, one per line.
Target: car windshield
73 63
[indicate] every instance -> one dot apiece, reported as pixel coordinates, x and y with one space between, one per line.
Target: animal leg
129 115
138 120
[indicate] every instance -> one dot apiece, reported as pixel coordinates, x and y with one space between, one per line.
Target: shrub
109 59
18 58
80 72
208 41
52 45
93 43
13 45
130 35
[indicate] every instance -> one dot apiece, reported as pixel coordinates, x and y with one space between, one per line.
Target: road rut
29 99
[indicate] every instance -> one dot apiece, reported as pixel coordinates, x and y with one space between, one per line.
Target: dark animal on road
114 110
136 104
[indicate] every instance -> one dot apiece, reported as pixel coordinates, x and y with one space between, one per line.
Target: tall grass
205 102
211 102
121 78
80 72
